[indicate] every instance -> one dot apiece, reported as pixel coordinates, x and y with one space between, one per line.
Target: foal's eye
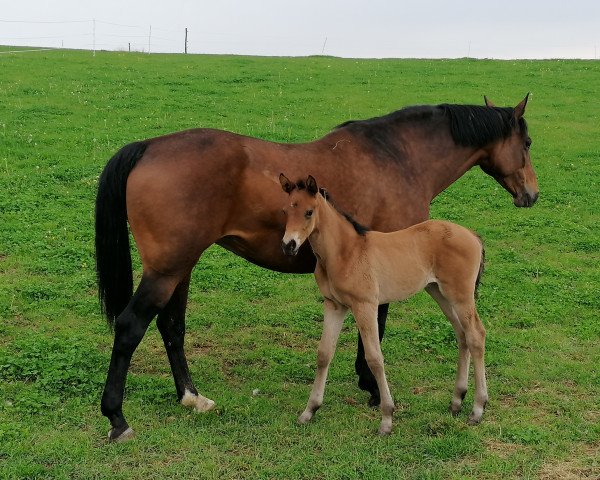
308 213
528 143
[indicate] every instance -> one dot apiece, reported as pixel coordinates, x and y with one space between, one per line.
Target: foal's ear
488 102
520 108
311 185
285 183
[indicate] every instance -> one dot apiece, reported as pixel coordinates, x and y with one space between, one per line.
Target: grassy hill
64 113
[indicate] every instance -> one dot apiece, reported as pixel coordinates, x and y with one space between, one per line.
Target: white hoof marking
126 435
197 402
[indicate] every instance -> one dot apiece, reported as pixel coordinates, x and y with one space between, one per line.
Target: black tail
113 258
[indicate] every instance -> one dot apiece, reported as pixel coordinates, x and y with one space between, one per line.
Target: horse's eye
528 143
308 213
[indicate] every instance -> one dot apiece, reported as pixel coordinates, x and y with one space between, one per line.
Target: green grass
63 114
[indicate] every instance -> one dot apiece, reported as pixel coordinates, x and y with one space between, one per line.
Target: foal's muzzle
290 248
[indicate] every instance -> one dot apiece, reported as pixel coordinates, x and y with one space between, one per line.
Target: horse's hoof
385 431
124 436
199 403
205 405
454 410
474 419
304 418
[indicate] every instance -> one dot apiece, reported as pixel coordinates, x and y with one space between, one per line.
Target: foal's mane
360 229
470 125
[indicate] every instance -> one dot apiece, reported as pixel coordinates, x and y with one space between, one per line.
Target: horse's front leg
366 320
366 380
333 321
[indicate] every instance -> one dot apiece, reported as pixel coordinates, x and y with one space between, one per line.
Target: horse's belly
265 252
401 289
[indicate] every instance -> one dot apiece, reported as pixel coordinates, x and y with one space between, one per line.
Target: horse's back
198 187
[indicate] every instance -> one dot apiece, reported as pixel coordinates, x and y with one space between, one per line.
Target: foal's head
301 212
508 159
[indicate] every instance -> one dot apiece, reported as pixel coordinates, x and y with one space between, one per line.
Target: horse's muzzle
526 200
290 248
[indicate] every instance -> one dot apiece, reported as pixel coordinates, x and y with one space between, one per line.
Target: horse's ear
324 192
311 185
487 101
520 108
285 183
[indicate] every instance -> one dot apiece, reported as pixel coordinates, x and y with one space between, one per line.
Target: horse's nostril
289 247
535 197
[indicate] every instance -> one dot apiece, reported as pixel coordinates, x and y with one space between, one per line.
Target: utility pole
185 39
149 37
323 49
94 36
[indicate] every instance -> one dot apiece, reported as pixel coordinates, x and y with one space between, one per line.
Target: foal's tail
481 266
113 258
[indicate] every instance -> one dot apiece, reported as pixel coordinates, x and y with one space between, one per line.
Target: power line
60 21
46 37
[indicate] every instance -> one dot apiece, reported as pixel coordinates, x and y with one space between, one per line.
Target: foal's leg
171 325
366 320
366 380
332 325
150 297
464 356
475 337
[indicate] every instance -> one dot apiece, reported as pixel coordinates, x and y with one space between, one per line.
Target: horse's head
301 212
508 160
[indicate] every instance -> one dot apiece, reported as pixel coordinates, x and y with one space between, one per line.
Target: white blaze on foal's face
300 220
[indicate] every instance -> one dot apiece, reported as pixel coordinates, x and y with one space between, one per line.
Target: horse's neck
450 168
435 161
333 237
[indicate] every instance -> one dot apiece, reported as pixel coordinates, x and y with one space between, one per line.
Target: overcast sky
350 28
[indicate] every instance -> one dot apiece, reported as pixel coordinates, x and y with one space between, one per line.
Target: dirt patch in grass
585 466
504 450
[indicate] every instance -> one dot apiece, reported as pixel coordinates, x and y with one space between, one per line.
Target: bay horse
359 270
181 193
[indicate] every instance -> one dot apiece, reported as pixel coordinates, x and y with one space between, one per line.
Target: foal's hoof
454 409
384 431
305 418
474 419
120 435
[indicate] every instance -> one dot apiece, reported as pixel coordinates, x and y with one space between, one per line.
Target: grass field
63 114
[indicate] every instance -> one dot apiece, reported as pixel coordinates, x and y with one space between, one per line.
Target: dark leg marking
130 327
171 325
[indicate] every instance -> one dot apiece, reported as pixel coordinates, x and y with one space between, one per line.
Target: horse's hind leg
464 356
171 325
332 325
151 296
475 337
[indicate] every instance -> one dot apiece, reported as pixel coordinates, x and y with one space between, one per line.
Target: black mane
470 125
477 126
360 229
